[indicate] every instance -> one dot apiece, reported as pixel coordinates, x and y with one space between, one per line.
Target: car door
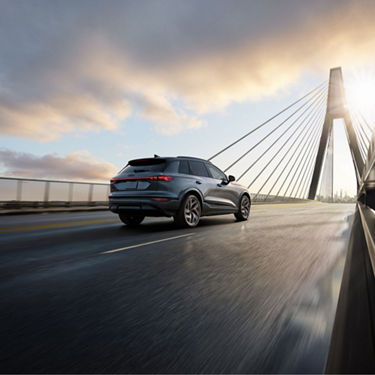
220 193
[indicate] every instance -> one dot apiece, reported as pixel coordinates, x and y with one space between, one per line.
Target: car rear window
144 165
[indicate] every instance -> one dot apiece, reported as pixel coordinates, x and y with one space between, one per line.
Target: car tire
131 221
244 209
189 213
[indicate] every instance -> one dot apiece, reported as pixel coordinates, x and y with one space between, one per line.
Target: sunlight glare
360 93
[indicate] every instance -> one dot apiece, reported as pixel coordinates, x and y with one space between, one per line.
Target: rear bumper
144 206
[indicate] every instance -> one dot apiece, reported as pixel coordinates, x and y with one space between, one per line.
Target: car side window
216 172
184 167
197 168
172 166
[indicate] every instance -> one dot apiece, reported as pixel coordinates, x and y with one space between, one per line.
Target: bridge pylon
336 109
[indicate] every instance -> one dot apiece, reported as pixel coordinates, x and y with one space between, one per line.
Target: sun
360 94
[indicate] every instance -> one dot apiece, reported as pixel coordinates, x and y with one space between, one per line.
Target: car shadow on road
166 224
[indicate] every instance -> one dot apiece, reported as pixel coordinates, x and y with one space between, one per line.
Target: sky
87 85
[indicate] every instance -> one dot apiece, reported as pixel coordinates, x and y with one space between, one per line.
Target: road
224 297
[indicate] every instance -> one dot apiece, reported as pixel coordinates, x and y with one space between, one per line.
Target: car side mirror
231 178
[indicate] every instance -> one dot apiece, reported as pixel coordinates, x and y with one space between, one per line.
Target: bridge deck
232 297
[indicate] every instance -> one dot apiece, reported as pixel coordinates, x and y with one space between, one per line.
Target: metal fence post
70 197
46 191
91 189
19 190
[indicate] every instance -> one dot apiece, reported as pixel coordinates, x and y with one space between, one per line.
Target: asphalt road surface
82 293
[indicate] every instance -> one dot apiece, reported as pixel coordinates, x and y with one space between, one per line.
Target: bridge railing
35 192
353 336
274 198
17 192
366 201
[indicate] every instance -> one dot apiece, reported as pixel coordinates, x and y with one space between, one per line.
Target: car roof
171 158
190 157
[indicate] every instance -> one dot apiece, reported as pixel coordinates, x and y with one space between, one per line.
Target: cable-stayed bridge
297 142
82 293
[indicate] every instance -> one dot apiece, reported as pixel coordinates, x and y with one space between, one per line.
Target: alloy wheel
245 206
192 211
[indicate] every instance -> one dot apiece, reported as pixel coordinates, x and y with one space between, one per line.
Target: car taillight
160 199
145 178
161 178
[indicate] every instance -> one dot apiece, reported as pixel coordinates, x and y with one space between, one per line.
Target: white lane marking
145 244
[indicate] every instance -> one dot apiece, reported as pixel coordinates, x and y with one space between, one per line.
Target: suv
183 187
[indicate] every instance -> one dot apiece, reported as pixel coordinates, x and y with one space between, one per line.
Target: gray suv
183 187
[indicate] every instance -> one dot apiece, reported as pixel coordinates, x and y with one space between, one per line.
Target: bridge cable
274 144
299 168
311 128
317 95
365 121
309 120
308 173
308 130
361 145
303 149
356 121
362 130
267 121
306 160
303 173
305 146
281 135
364 133
315 134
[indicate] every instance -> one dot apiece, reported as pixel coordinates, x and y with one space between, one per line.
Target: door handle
198 182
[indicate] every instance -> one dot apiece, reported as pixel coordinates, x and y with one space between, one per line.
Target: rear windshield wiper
141 170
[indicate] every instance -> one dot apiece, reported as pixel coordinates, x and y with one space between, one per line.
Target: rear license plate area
127 185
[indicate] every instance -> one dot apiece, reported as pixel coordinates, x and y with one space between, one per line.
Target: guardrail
17 192
274 198
366 201
352 347
368 223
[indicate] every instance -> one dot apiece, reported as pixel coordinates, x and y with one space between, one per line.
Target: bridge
291 290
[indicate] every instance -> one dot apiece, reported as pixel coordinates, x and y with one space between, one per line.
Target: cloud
168 120
90 65
80 165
